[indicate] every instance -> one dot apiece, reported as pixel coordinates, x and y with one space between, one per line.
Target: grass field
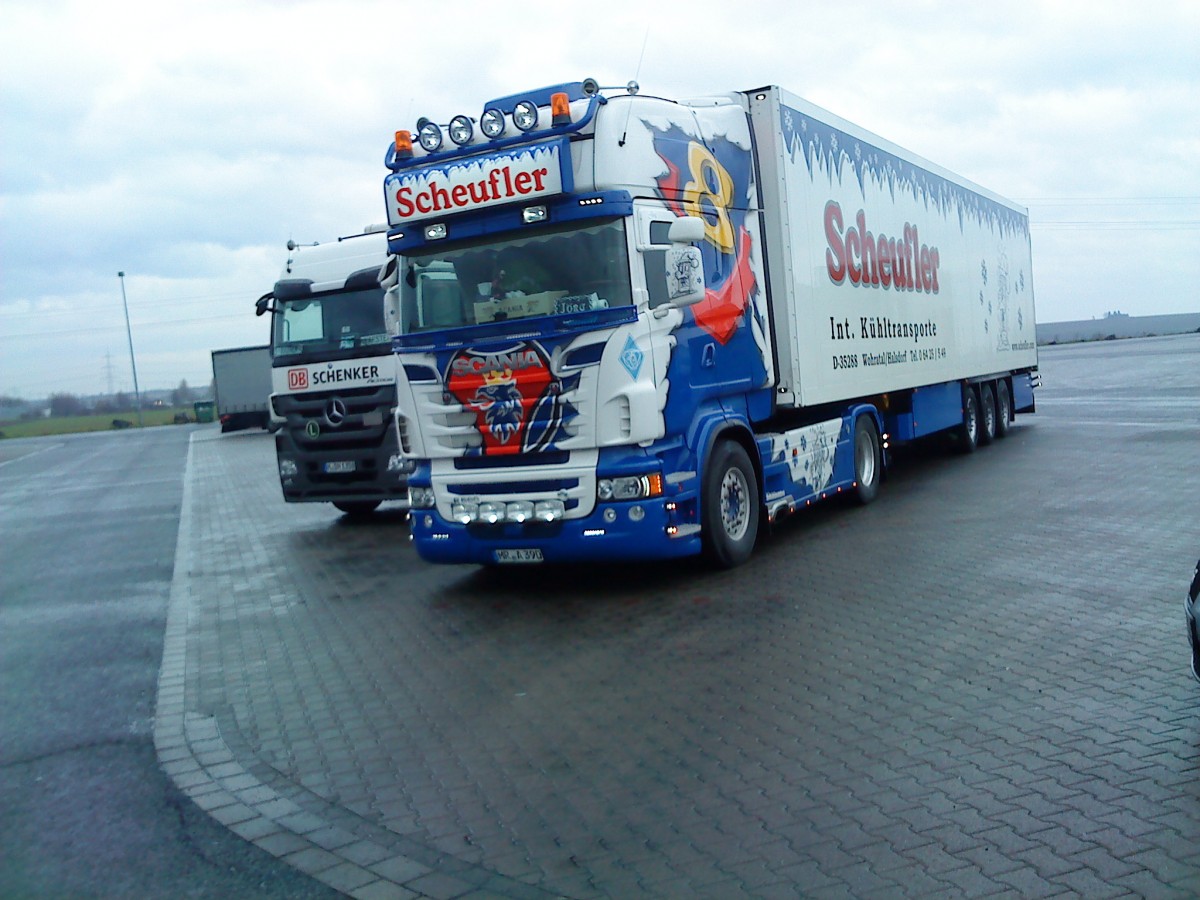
97 422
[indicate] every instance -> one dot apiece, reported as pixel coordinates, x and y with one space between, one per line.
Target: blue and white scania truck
638 328
334 376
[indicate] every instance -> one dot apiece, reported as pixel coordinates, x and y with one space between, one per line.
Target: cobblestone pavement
975 686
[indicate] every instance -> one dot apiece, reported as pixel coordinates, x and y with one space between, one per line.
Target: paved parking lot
977 685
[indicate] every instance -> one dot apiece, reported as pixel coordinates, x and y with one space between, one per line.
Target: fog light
287 468
421 497
549 510
519 511
610 515
397 463
464 513
636 513
491 512
435 232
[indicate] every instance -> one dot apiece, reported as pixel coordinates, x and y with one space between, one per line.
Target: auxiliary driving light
525 115
461 130
531 215
429 135
491 123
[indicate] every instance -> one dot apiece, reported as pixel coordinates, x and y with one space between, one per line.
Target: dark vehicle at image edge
1189 612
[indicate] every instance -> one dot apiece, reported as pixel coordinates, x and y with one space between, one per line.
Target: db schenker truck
333 372
640 328
242 387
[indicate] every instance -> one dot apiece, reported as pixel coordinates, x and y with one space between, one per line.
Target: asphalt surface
88 525
976 686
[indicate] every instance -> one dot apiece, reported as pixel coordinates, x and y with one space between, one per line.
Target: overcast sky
184 144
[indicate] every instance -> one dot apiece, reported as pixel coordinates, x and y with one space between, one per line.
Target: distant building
1116 324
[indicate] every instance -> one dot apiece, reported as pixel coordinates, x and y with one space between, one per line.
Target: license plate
523 555
341 465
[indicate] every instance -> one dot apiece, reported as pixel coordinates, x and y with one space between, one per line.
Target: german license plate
520 555
340 465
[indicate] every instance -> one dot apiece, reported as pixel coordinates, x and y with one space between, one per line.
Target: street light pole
132 362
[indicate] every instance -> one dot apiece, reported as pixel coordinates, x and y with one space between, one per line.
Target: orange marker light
404 148
560 109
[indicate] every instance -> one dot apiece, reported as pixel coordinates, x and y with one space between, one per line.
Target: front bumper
593 538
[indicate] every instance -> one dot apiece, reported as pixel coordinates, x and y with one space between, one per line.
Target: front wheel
730 510
868 460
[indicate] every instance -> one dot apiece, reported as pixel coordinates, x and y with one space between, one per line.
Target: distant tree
182 395
121 402
66 405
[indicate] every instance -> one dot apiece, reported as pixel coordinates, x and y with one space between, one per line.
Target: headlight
429 135
463 512
630 487
525 115
461 129
491 123
491 513
421 498
287 468
549 510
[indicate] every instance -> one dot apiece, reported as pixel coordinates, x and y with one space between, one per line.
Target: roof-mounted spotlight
491 123
429 135
525 115
461 130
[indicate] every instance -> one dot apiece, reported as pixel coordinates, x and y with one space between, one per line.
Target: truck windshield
324 323
550 272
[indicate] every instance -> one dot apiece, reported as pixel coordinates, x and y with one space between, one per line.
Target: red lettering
404 206
522 182
870 270
480 196
441 198
508 188
887 249
934 259
538 175
926 270
853 249
835 256
459 195
423 204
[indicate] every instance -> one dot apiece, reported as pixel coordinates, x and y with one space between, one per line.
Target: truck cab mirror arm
263 305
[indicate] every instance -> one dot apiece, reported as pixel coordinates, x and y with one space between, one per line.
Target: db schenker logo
297 379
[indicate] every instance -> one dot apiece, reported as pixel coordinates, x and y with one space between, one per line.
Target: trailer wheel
987 414
1003 409
730 509
356 509
967 434
868 460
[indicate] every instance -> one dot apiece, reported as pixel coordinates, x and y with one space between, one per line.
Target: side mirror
686 230
263 305
685 275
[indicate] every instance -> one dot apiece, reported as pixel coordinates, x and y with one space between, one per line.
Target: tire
967 434
1003 409
730 506
868 460
357 509
987 415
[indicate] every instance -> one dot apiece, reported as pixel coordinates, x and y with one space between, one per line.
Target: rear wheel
730 510
987 414
1003 409
868 460
357 508
967 433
